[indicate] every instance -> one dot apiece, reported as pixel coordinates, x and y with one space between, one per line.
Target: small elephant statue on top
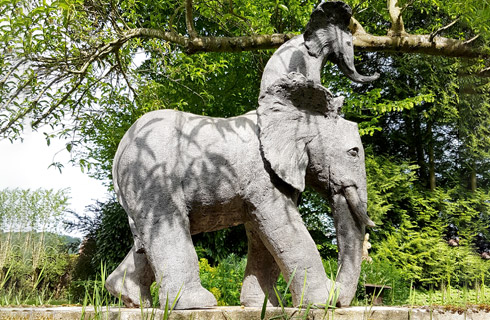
177 174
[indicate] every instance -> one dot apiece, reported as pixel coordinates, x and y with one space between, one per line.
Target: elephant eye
353 152
348 43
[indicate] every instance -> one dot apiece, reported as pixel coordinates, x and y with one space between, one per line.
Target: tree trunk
473 178
419 147
432 169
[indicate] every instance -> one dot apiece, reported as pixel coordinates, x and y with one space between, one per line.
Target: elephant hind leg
261 273
132 280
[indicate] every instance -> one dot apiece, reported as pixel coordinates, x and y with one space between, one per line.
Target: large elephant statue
177 174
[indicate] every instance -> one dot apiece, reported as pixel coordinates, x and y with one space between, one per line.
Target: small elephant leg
132 280
261 273
287 239
170 251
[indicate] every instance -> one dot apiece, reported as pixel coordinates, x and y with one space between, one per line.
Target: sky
25 165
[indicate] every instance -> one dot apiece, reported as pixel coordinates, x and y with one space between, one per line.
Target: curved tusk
357 207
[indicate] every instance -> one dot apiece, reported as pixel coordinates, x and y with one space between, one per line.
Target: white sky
25 165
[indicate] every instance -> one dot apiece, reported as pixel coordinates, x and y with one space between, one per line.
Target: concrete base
237 313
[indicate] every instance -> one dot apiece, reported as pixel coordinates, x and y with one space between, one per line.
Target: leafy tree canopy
65 62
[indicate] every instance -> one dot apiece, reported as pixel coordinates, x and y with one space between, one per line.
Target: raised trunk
350 235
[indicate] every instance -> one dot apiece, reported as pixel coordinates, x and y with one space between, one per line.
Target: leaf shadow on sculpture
177 174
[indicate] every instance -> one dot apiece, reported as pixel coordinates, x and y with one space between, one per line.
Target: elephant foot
193 297
132 280
253 296
130 291
321 297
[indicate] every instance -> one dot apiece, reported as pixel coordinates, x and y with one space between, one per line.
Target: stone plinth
238 313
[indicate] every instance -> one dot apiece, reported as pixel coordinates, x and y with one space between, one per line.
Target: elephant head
305 141
327 35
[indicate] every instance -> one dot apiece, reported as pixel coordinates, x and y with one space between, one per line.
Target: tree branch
355 27
439 46
440 30
189 20
54 106
2 82
485 72
16 93
397 26
118 59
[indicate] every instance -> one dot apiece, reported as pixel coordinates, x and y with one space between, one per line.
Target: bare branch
56 105
16 93
43 91
440 30
397 26
485 72
407 5
189 20
79 100
118 59
472 39
440 46
172 18
33 104
355 27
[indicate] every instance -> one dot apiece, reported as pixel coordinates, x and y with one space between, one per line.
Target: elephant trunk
346 65
357 207
350 236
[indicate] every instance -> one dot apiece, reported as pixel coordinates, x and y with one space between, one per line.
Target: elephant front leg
283 232
261 273
132 280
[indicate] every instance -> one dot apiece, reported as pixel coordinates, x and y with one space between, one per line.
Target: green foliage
35 262
217 246
108 239
224 281
383 273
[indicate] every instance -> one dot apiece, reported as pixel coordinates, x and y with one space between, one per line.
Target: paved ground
238 313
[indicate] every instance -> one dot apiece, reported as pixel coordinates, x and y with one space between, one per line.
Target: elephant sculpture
326 37
177 174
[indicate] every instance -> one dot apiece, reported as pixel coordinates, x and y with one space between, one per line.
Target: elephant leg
350 236
261 272
283 232
132 280
168 246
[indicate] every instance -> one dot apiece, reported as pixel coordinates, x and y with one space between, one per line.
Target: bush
224 280
35 262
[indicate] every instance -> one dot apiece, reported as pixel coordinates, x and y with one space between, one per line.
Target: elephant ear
287 116
319 34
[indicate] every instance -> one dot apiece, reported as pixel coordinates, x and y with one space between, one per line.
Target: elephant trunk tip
370 223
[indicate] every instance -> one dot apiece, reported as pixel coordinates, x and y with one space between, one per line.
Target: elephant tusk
357 207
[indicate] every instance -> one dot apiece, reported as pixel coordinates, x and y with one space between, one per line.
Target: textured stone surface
237 313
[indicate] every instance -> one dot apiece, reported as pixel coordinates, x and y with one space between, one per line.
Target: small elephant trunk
350 235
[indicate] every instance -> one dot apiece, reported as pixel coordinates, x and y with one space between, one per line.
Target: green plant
224 280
